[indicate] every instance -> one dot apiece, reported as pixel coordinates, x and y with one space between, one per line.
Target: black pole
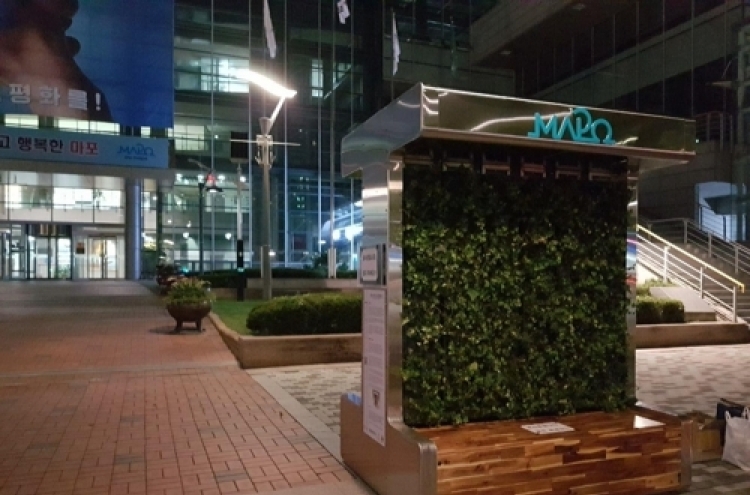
240 270
200 227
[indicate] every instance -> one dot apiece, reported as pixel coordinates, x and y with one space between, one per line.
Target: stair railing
674 264
734 256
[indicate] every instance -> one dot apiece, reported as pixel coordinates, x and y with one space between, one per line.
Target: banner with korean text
102 60
75 147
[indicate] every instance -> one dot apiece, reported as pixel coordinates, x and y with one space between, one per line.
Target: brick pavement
97 398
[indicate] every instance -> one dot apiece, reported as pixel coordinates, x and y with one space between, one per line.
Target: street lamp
265 159
209 184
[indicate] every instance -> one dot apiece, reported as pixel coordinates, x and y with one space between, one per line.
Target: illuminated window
14 120
64 197
222 76
316 78
189 137
75 125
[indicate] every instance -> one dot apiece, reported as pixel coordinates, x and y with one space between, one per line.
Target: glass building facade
70 221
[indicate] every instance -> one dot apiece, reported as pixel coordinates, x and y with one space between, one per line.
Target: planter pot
189 313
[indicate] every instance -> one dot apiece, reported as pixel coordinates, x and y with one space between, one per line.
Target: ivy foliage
515 297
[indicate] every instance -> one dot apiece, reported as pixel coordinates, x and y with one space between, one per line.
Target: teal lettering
578 126
542 129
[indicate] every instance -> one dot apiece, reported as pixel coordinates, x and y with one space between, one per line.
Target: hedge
228 278
653 311
647 310
308 314
515 297
644 289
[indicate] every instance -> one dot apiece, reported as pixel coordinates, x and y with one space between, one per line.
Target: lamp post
209 184
265 159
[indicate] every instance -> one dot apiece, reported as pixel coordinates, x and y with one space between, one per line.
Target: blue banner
80 148
103 60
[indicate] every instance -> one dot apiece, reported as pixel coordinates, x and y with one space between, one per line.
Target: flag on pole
396 46
268 26
343 11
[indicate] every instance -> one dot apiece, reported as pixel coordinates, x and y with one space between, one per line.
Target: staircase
717 268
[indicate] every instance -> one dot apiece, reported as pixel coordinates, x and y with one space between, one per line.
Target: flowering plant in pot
189 299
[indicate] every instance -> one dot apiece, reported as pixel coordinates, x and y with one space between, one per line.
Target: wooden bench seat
607 454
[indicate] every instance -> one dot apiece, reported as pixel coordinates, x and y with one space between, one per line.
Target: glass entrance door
49 251
18 252
102 258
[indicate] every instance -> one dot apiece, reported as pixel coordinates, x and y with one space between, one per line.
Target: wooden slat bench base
607 454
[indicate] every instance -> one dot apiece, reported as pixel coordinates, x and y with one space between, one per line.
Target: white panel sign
369 265
547 428
374 363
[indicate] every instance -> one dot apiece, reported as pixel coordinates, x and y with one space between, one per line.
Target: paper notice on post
374 363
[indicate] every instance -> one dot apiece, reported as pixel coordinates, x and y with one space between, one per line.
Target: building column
133 228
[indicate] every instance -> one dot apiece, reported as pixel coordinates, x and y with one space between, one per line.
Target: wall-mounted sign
369 265
531 123
578 126
80 148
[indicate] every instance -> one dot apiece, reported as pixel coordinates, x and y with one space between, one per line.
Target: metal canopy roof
462 117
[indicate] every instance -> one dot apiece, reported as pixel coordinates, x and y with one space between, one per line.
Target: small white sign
547 428
369 263
374 363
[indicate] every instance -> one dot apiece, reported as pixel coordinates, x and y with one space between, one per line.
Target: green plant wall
514 296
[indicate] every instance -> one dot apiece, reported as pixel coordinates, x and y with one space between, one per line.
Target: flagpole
393 51
332 148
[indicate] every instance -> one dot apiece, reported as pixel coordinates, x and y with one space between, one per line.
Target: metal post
734 304
666 264
736 259
700 282
264 141
710 244
240 248
201 186
684 231
133 228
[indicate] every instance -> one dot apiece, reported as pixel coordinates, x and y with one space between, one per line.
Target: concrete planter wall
292 286
268 352
690 334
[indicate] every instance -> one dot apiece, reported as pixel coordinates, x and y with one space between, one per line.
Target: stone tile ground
679 380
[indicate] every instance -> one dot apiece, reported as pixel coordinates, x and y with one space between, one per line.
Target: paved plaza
97 397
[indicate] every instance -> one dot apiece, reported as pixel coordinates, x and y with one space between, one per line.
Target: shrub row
644 289
308 314
228 278
652 311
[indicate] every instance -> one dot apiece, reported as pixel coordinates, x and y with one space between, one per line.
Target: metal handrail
688 233
671 263
691 256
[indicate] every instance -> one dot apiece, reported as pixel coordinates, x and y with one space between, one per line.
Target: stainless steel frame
408 462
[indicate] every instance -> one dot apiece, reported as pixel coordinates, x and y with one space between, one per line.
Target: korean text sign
103 60
80 148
